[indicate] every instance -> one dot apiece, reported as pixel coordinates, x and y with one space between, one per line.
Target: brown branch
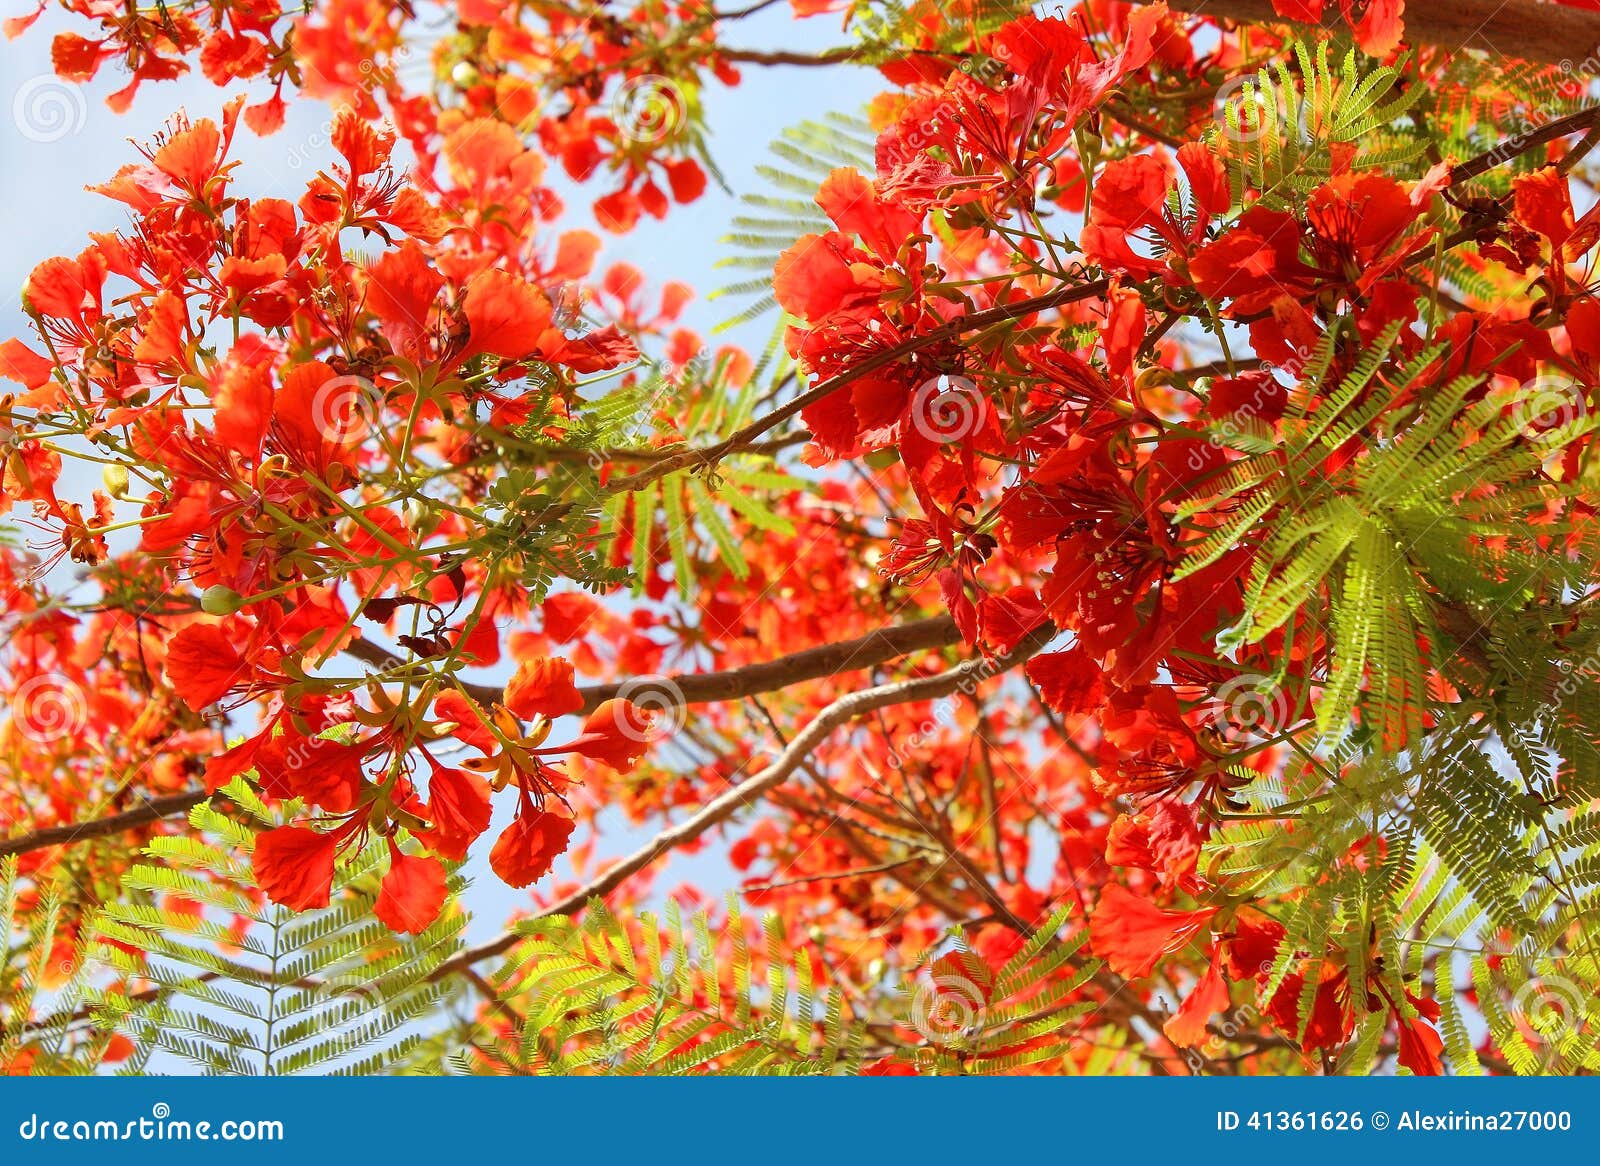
752 789
1583 119
832 876
842 55
1525 29
866 651
152 811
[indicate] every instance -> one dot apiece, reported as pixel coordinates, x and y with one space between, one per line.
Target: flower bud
116 480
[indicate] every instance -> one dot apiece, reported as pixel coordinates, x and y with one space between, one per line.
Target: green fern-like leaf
41 1027
601 997
325 991
1281 124
773 219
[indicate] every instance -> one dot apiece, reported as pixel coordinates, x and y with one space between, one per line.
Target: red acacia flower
459 810
542 686
1132 196
616 734
204 663
1187 1026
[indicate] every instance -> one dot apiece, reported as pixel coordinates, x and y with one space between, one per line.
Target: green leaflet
593 1003
1435 859
1378 550
803 156
689 510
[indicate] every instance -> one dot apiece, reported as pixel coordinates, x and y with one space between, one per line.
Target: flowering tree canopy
1117 600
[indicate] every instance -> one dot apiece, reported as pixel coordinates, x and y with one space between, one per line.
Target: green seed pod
220 600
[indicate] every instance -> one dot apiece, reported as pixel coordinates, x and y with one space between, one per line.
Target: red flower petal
203 664
616 734
566 615
528 847
412 893
22 364
1132 934
460 809
294 866
1069 681
1187 1026
243 403
505 315
471 722
543 686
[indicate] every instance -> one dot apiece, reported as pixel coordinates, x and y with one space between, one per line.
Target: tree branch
842 55
1583 119
152 811
866 651
752 789
1526 29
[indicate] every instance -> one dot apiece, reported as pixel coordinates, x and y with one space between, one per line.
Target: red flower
1165 841
1131 197
1358 233
1378 30
459 808
1069 681
1252 952
823 274
1420 1043
1254 395
506 316
325 773
1187 1026
566 615
319 420
616 734
1006 619
885 1066
203 664
22 364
